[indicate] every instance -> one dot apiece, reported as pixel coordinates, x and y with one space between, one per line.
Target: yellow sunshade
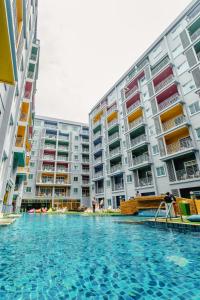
6 69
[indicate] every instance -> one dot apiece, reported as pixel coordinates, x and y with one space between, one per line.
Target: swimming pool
76 257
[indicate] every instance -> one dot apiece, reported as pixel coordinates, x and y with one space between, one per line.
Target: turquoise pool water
75 257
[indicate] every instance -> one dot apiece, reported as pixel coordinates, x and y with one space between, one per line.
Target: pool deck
9 219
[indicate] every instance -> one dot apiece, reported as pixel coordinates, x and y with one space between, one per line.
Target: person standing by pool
101 204
94 205
169 198
138 194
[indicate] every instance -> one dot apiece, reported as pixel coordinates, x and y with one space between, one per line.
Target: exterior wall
12 154
157 105
59 160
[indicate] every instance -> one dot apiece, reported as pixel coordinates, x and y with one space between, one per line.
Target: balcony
138 140
34 54
133 106
62 170
131 92
50 146
98 174
117 187
173 123
100 190
62 181
136 122
85 170
85 182
48 169
159 66
113 137
19 152
84 160
97 123
63 137
98 147
140 160
191 172
169 101
48 157
97 135
116 168
28 90
62 158
164 83
145 181
47 181
112 123
63 148
180 145
114 152
85 150
111 109
84 140
50 136
19 142
99 160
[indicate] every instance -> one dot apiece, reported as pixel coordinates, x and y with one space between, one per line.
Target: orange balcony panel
135 115
177 135
98 116
112 116
173 112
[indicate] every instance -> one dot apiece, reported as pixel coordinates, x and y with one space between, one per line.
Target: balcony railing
85 150
141 159
97 123
111 109
49 146
49 157
195 35
61 181
50 136
116 168
23 117
131 92
49 181
146 181
98 160
164 83
98 174
62 158
62 170
96 135
85 170
139 139
115 152
30 75
61 194
117 187
112 123
85 140
44 194
160 65
100 190
85 160
97 147
63 148
189 173
174 122
136 122
179 145
133 106
113 136
85 182
19 141
169 101
48 169
63 137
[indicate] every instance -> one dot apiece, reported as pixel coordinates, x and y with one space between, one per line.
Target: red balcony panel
51 151
30 131
27 90
62 164
134 99
166 73
134 81
167 93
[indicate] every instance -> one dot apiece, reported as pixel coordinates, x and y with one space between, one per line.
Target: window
75 190
160 171
188 86
194 107
198 132
182 67
108 183
155 149
75 178
129 178
30 176
76 138
177 50
76 157
32 164
28 189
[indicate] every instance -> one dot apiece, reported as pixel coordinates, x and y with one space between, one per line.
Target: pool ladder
168 210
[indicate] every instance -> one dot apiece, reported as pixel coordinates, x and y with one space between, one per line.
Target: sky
86 45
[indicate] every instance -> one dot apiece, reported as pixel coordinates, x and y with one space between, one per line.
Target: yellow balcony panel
98 116
27 160
19 8
112 116
24 113
176 135
173 112
135 115
6 60
28 145
21 131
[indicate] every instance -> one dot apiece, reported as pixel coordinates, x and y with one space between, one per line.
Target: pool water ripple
75 257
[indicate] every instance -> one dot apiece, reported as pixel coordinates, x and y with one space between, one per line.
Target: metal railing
164 83
174 122
49 146
113 136
50 136
30 75
133 106
63 137
131 92
195 35
98 147
47 181
136 122
141 159
116 168
60 181
48 169
63 148
98 174
85 182
85 170
85 150
23 117
62 158
179 145
64 170
112 123
19 142
49 157
96 135
167 102
115 151
160 66
85 160
146 181
139 139
111 109
98 160
189 173
100 190
117 187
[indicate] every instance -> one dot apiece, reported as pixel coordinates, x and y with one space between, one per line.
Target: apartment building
145 131
59 165
19 49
